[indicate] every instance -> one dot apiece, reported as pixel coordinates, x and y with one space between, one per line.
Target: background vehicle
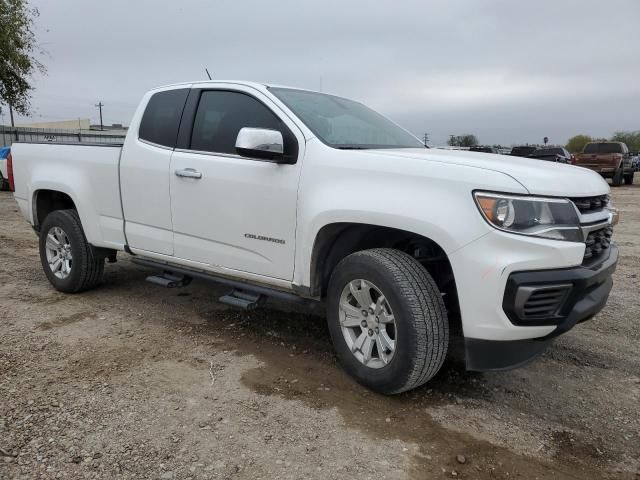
311 197
609 159
552 154
523 151
635 161
4 175
483 149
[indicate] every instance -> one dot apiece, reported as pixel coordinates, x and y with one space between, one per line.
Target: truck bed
596 161
92 170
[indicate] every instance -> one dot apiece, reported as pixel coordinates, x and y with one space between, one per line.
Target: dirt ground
135 381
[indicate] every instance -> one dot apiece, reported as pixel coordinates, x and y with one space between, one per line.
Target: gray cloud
508 71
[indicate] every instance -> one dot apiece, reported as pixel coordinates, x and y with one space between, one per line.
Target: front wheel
67 258
387 320
628 178
617 177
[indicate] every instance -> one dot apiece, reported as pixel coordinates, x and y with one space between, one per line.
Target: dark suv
552 154
482 149
522 151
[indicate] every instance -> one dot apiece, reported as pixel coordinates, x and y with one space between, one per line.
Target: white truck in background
303 195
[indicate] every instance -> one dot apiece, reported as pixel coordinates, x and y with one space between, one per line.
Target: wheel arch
45 200
335 241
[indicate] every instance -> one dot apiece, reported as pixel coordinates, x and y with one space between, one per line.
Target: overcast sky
508 71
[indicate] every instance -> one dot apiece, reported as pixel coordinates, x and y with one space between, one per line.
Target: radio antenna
208 74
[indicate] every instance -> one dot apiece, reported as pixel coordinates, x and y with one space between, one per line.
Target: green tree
576 144
18 50
466 140
632 139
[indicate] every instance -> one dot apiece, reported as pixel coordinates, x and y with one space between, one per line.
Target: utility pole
100 105
426 138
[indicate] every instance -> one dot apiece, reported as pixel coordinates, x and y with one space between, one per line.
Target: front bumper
584 292
482 269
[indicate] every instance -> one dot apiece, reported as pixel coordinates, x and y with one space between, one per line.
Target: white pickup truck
302 195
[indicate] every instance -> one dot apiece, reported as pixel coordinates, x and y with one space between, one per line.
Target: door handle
188 173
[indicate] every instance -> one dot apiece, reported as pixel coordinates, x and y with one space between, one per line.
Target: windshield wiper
351 147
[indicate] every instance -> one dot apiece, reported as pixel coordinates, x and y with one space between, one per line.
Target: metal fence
8 135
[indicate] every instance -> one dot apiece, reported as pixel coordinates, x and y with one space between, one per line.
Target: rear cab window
161 118
603 148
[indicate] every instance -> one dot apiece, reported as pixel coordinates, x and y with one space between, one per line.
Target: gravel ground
135 381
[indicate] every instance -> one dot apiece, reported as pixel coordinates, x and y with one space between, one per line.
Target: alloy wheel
367 323
58 250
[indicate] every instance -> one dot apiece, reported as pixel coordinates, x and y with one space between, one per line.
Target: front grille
542 302
591 204
597 243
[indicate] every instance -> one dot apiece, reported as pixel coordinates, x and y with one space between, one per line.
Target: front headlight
553 218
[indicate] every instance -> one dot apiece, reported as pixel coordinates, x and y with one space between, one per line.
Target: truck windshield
345 124
603 148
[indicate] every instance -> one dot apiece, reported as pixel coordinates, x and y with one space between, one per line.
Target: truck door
230 211
144 172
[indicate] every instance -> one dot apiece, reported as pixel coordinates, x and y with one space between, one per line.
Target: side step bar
168 280
241 299
237 285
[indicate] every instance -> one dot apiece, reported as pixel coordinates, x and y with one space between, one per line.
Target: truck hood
539 177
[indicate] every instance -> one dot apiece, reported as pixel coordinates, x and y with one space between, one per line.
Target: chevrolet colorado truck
609 159
306 196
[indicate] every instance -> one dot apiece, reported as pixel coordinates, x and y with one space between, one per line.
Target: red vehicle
609 159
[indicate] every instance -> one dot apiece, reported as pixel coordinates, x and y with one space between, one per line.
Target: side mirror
260 143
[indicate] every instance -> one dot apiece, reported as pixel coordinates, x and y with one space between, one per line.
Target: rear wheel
628 178
67 258
617 177
387 320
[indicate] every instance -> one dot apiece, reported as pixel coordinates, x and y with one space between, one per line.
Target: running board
242 299
238 285
169 280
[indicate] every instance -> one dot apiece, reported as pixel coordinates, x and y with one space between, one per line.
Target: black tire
86 268
617 177
422 336
628 178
